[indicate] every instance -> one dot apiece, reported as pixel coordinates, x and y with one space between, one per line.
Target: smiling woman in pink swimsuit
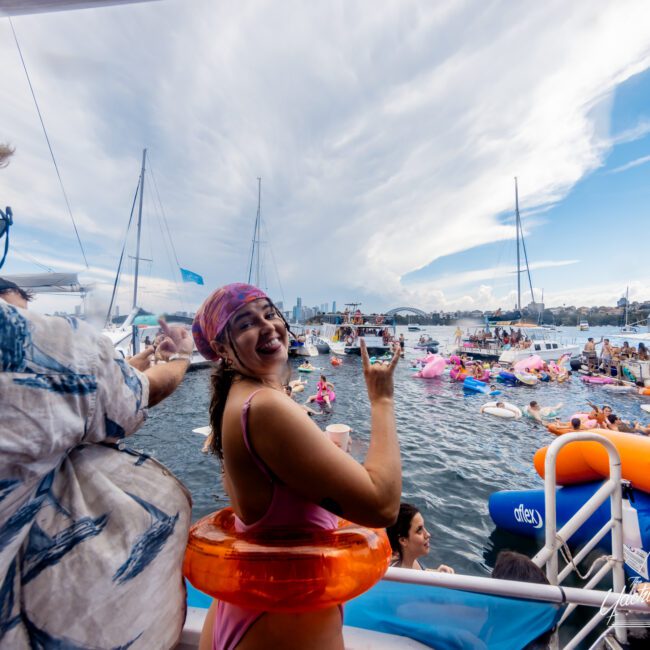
280 470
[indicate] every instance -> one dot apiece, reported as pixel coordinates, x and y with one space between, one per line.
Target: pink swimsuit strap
287 509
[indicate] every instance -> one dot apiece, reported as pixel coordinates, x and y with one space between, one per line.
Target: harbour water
453 457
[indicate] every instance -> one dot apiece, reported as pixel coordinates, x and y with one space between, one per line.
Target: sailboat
483 345
627 328
136 331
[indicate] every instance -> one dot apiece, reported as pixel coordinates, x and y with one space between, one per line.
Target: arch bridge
408 310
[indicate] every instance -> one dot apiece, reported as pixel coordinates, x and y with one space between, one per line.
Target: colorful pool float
596 379
477 386
584 461
526 378
507 411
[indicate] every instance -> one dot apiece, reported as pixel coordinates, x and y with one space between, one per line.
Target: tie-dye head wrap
215 312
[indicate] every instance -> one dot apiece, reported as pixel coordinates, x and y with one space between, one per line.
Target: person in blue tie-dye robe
92 535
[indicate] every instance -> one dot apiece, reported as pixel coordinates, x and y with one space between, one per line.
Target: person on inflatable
542 414
306 365
409 540
325 392
600 415
575 424
477 371
279 469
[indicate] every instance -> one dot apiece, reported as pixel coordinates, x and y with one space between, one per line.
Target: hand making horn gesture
379 377
177 340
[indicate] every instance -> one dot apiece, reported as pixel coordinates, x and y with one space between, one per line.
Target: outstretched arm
176 349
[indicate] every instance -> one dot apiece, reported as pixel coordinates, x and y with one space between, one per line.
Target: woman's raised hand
379 376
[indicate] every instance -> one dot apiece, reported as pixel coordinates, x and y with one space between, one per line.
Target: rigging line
168 243
119 264
176 274
162 210
33 260
530 282
49 146
275 266
168 255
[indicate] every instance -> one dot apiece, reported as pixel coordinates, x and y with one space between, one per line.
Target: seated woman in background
409 540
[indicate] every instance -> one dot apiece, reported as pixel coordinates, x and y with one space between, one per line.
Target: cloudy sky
387 136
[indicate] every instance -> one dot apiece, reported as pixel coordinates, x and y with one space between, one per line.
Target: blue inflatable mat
448 619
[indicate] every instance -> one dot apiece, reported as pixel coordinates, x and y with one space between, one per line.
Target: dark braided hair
221 382
401 527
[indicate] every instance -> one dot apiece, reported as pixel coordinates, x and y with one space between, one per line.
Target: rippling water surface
453 458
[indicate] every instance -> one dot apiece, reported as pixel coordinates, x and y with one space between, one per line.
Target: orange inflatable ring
558 431
584 461
283 571
644 391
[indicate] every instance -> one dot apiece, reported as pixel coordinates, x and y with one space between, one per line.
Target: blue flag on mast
190 276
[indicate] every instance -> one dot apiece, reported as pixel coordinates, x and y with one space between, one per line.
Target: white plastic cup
339 434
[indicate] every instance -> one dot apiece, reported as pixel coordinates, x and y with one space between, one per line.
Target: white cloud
630 165
385 138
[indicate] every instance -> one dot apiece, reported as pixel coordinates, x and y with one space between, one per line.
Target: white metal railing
556 540
605 601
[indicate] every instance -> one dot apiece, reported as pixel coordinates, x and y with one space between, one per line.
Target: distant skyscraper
280 305
299 302
334 306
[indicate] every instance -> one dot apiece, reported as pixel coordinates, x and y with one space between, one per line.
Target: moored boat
345 337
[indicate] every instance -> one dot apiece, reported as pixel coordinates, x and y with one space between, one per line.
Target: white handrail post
548 554
550 485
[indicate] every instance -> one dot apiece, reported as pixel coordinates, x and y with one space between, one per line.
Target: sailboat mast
259 225
255 250
137 252
137 248
518 226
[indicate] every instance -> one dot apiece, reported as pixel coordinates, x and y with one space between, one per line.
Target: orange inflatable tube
558 430
644 391
580 462
281 570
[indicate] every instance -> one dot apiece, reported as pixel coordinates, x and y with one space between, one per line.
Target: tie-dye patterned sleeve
122 396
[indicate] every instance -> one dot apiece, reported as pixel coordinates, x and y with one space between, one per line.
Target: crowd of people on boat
350 335
500 337
611 356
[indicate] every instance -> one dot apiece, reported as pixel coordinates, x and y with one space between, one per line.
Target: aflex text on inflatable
281 571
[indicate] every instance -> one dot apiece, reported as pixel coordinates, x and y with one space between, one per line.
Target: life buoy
281 570
349 340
